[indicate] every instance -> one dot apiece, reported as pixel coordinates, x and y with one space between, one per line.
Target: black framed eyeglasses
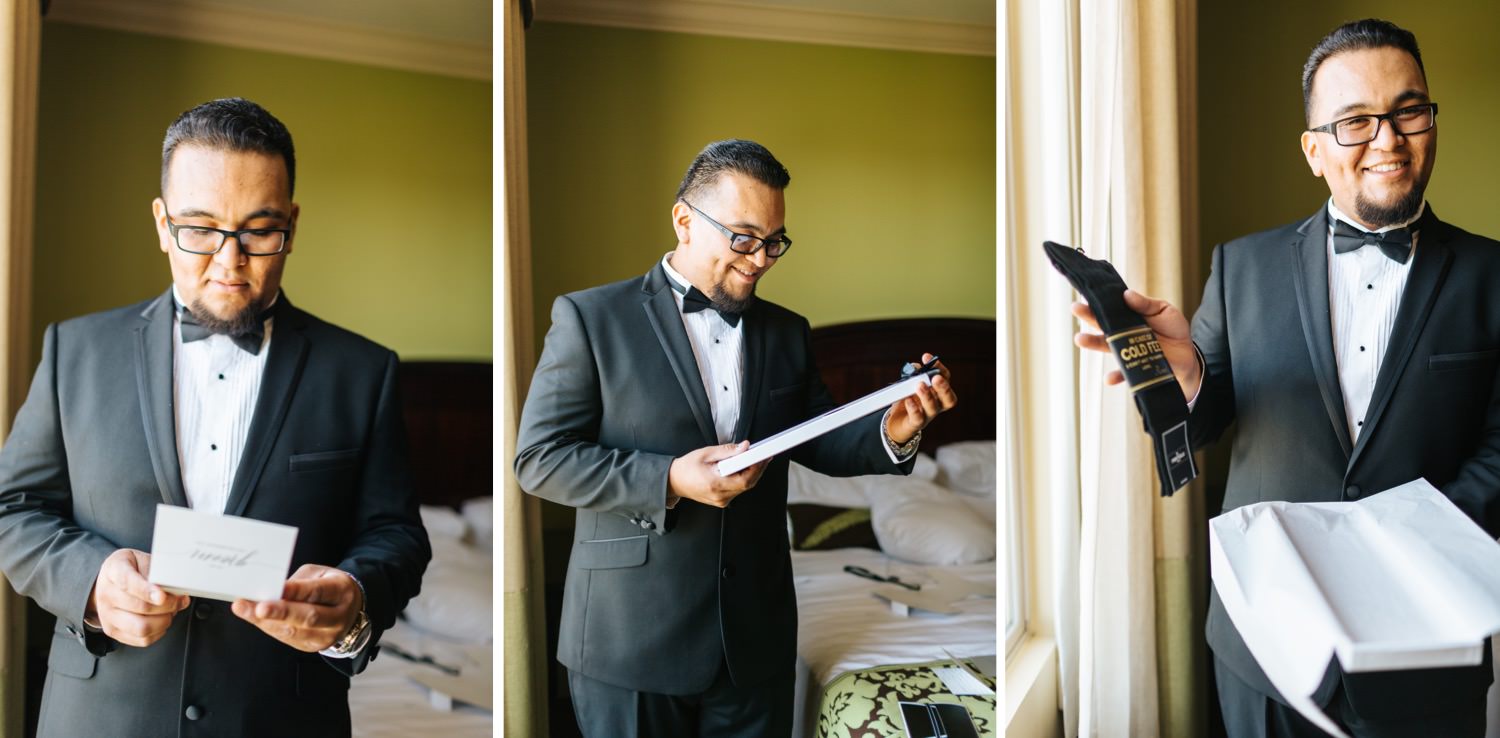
744 243
1362 129
207 241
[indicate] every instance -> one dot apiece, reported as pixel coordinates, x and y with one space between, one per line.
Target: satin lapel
666 321
1429 267
154 384
1310 275
278 384
755 363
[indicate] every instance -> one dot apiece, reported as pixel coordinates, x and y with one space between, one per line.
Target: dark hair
1370 33
734 155
232 124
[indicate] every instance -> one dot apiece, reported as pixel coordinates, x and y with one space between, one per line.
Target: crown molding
281 33
740 20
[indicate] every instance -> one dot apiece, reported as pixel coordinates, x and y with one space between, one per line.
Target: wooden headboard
450 427
859 358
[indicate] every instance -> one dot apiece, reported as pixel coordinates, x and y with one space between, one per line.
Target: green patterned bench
863 704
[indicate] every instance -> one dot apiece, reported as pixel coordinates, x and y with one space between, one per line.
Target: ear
291 224
682 217
163 234
1312 152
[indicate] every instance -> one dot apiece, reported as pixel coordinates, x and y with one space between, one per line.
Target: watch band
356 637
1158 396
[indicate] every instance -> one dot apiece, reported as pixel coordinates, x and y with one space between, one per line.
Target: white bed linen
842 627
384 701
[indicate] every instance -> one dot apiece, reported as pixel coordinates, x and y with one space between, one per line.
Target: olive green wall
393 176
892 156
1252 172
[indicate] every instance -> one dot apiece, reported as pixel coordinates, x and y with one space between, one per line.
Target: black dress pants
724 711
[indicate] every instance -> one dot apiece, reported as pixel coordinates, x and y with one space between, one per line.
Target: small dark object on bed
860 571
398 653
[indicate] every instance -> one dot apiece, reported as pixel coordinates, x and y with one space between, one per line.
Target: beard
1403 209
238 324
727 303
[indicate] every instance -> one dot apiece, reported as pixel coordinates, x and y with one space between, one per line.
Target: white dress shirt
1364 293
719 350
215 385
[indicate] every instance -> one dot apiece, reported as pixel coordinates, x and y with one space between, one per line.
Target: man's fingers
945 392
319 590
719 453
126 578
1113 377
136 630
1091 341
1147 306
1085 313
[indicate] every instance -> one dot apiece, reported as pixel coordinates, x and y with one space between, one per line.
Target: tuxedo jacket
656 600
1266 337
93 451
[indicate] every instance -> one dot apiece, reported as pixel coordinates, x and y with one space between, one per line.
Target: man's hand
318 605
1171 328
131 609
911 415
694 476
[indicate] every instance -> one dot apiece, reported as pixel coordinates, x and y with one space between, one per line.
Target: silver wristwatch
356 638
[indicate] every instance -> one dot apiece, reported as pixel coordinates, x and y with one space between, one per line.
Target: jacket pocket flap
322 460
70 658
1440 362
610 553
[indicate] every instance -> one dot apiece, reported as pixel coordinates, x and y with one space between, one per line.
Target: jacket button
193 712
203 610
1352 491
728 572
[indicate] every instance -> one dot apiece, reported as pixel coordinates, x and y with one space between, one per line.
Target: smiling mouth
750 275
1387 167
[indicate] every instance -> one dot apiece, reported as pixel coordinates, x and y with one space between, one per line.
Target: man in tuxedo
1354 350
221 396
679 616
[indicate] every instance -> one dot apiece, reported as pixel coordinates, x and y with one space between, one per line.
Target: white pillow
455 602
443 522
479 513
925 469
984 506
804 485
969 467
923 523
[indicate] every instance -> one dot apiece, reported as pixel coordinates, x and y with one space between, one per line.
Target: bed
433 674
857 656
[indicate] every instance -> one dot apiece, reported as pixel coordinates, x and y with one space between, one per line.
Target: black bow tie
694 300
1395 243
250 340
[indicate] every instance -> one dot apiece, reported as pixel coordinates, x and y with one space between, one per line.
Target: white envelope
221 557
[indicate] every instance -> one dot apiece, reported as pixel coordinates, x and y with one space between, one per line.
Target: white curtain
1097 127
